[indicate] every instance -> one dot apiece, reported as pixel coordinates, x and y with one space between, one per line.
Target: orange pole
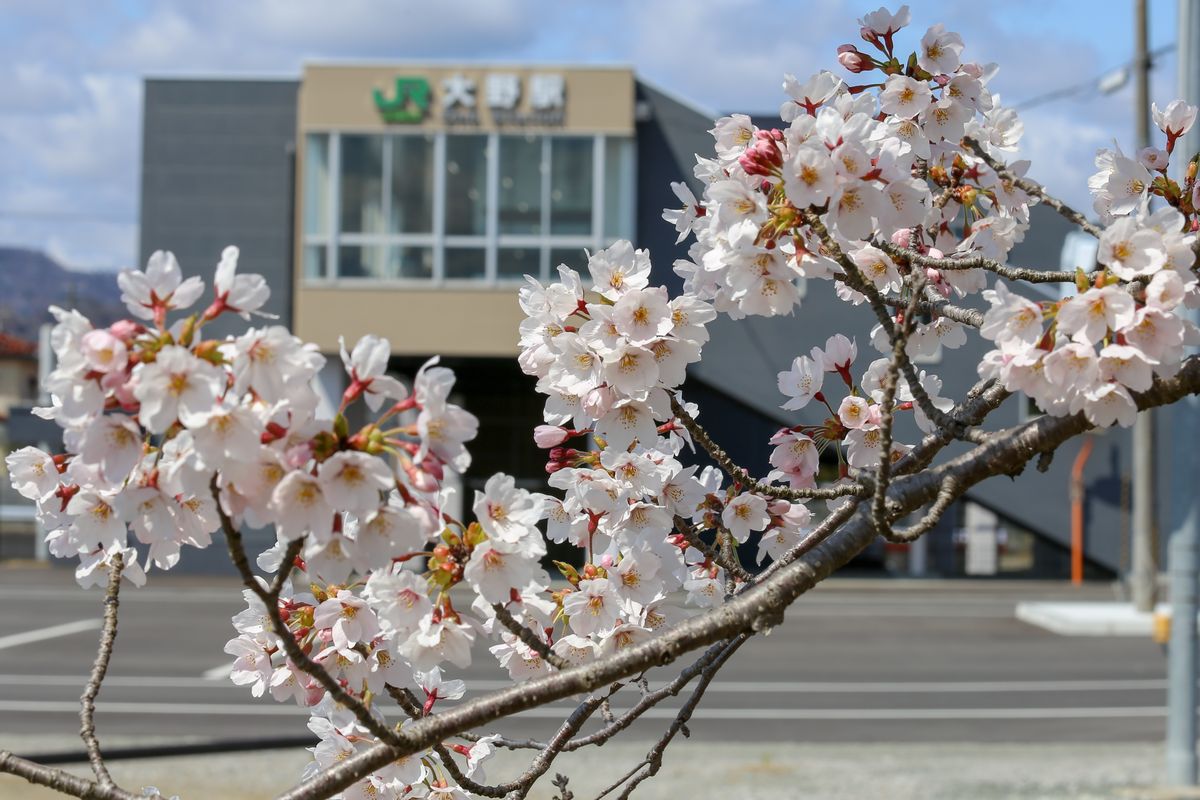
1077 497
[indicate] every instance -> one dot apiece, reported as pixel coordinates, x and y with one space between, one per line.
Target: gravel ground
698 771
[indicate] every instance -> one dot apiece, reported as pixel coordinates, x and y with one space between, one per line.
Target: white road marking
71 592
219 672
214 678
864 714
53 632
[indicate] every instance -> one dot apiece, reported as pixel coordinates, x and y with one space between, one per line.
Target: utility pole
1143 573
1184 550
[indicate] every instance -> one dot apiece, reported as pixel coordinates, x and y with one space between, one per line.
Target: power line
1092 83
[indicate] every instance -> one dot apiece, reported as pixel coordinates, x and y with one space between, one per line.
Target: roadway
861 661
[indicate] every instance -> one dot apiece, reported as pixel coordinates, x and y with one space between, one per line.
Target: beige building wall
18 377
417 320
452 322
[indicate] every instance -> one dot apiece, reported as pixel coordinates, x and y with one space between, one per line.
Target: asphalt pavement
855 661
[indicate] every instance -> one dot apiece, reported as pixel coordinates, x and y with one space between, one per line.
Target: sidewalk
700 771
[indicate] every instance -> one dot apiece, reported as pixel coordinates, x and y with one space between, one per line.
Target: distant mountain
31 281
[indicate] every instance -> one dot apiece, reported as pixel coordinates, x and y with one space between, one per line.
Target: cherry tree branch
758 607
952 264
87 702
652 763
528 637
270 599
935 304
62 781
900 336
741 476
1033 189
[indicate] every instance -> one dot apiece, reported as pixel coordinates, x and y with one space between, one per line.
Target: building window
483 208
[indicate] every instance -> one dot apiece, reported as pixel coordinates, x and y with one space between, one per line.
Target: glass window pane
314 260
573 257
316 183
516 262
362 184
362 261
465 262
571 186
411 262
412 184
619 190
466 185
520 184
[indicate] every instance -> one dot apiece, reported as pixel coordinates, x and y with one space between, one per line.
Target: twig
900 336
528 637
949 264
653 760
726 559
87 702
270 599
61 781
1034 189
947 494
742 477
940 306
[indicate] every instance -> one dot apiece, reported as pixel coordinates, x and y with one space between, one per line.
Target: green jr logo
411 103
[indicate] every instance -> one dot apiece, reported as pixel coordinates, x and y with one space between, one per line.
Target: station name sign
535 99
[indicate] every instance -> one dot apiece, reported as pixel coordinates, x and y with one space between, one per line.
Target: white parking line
53 632
863 714
214 678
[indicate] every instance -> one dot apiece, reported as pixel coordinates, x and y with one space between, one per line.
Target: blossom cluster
1092 351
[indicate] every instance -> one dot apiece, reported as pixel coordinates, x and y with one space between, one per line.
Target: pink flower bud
607 561
298 455
903 238
854 61
549 435
598 401
125 329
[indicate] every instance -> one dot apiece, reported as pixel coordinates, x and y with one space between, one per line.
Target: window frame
490 242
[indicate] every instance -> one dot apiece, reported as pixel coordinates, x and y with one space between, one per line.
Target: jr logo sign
410 104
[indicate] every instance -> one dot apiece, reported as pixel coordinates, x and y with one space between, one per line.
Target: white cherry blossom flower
160 288
176 386
32 472
299 506
352 481
366 366
241 294
593 608
743 514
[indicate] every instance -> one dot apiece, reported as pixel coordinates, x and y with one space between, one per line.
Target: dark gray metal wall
217 169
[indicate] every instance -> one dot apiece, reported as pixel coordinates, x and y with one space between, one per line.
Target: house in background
408 201
18 389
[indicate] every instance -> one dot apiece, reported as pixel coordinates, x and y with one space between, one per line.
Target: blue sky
70 79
